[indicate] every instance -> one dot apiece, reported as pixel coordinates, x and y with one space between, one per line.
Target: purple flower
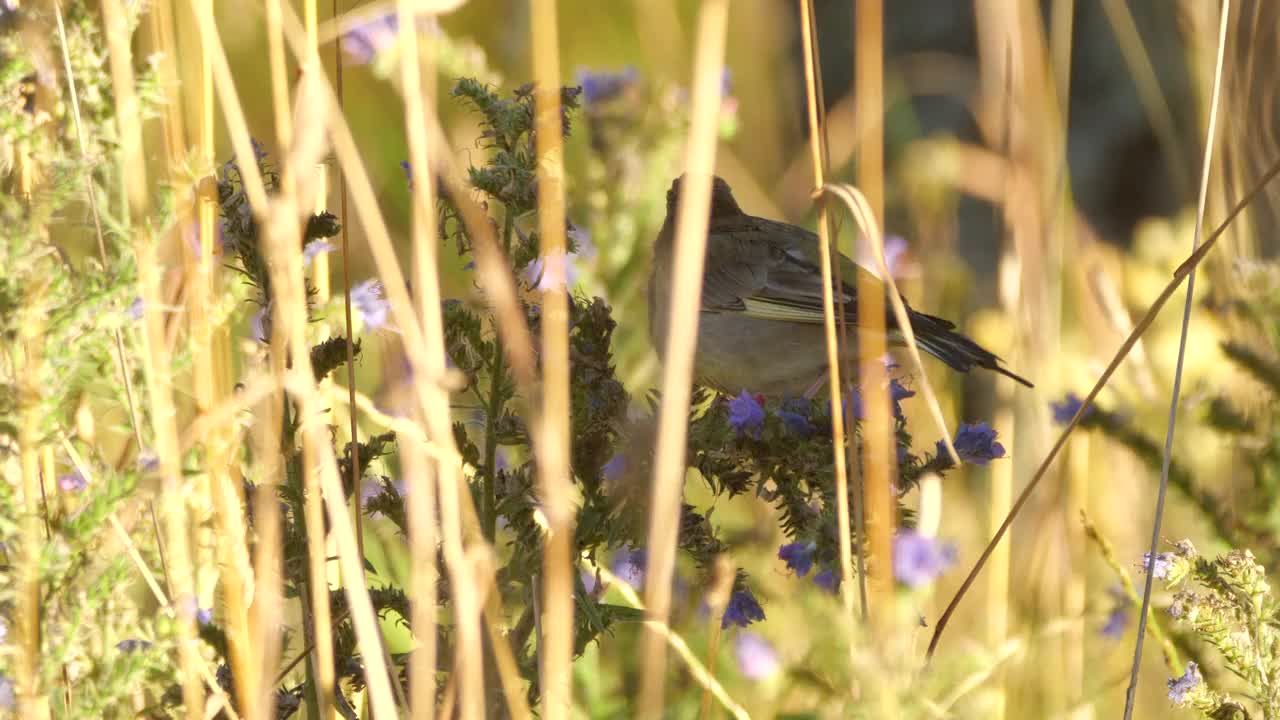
796 423
746 416
796 419
1118 619
742 610
798 557
132 645
588 582
552 272
72 482
408 172
897 393
1180 686
602 86
828 580
259 152
135 309
853 403
895 248
372 35
614 469
581 237
1064 411
726 82
7 699
371 490
1160 569
975 444
260 325
756 657
370 300
628 565
148 461
204 616
918 560
314 248
1117 622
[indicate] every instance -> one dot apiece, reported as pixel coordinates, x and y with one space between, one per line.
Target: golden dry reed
677 378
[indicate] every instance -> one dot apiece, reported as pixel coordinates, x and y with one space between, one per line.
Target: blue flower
408 172
975 444
742 610
756 657
918 560
828 580
629 565
148 461
372 35
72 482
552 272
794 414
853 403
746 416
601 86
369 299
135 309
726 82
204 616
1064 411
1160 569
260 325
581 239
1118 619
897 393
1180 686
798 557
132 645
614 469
314 248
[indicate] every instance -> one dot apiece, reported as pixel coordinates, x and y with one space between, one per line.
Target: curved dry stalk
1141 327
866 221
700 673
1211 137
692 218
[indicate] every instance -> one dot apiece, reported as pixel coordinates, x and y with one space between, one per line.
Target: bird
761 327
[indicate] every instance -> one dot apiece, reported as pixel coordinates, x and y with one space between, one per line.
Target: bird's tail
939 338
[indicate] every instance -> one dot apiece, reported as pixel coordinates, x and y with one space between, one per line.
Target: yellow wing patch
766 310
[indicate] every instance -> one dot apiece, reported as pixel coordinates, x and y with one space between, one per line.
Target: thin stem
1210 138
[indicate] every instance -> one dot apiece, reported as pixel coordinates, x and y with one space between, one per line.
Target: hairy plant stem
497 373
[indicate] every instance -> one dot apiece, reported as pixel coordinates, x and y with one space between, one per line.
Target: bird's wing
772 271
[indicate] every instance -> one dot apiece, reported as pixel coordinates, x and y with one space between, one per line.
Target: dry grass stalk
835 386
555 484
156 361
673 419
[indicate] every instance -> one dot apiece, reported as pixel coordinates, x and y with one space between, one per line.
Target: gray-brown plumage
761 327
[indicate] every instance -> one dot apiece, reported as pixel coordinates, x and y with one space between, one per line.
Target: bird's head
722 202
